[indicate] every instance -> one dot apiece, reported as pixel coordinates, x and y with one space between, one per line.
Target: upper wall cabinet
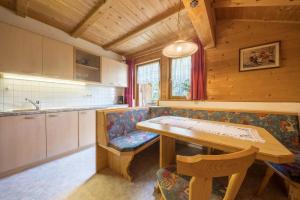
20 50
58 60
113 72
87 66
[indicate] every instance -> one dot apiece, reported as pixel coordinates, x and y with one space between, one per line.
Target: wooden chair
193 179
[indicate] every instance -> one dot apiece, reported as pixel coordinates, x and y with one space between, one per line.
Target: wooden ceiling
131 26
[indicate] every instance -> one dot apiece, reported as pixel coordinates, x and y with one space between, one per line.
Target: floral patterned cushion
120 123
176 187
131 140
291 170
157 111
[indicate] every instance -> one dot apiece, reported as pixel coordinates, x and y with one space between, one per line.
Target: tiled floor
69 178
51 181
109 186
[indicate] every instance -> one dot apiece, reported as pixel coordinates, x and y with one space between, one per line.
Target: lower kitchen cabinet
62 132
87 127
22 141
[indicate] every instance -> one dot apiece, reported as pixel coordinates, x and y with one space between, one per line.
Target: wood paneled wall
226 83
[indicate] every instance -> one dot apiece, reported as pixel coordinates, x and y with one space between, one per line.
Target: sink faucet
35 104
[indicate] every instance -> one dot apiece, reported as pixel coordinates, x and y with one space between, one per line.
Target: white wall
35 26
251 106
53 95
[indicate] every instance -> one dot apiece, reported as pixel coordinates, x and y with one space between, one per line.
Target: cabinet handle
82 112
52 115
29 117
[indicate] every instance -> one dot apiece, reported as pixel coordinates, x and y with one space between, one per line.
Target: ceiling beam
142 28
254 3
262 21
21 7
203 20
89 19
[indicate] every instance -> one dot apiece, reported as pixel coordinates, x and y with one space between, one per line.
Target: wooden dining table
269 150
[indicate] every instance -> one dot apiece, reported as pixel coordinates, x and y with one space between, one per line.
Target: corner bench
118 141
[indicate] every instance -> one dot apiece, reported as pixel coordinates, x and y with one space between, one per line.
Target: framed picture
260 57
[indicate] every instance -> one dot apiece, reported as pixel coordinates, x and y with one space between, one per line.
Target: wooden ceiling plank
21 7
90 19
158 44
203 20
142 28
254 3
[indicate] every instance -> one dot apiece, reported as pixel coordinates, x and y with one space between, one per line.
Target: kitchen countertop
61 109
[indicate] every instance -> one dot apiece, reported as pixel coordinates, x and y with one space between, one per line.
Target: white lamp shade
180 48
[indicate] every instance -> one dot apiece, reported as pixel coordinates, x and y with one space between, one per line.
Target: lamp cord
178 17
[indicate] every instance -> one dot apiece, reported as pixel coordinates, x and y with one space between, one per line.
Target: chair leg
268 175
156 188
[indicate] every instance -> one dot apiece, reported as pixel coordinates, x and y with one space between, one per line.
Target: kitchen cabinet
22 141
62 132
87 127
20 50
87 66
113 72
58 60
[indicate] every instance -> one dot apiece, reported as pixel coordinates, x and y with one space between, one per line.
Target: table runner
242 133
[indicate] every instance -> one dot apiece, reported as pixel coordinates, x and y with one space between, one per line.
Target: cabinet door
62 132
113 72
107 76
58 59
20 50
123 75
87 127
22 141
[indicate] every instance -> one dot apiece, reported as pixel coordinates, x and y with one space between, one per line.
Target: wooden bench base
107 157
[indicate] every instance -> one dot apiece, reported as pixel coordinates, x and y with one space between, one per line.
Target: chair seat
176 187
290 170
132 140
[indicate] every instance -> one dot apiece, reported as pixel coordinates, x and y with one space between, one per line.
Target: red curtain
198 86
129 91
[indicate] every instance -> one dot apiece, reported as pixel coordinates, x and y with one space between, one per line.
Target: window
148 78
181 77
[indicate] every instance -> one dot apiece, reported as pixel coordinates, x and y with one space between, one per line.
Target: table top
271 150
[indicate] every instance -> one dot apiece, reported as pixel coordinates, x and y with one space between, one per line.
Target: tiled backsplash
13 93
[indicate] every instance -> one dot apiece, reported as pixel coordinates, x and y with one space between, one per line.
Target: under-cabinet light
40 79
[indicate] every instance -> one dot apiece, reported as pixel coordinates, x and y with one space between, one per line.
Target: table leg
167 151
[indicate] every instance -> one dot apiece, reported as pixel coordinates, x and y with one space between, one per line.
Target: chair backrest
203 168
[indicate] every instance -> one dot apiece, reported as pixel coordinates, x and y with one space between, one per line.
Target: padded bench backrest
121 122
285 127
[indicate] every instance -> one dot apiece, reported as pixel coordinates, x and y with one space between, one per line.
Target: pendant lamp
180 48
